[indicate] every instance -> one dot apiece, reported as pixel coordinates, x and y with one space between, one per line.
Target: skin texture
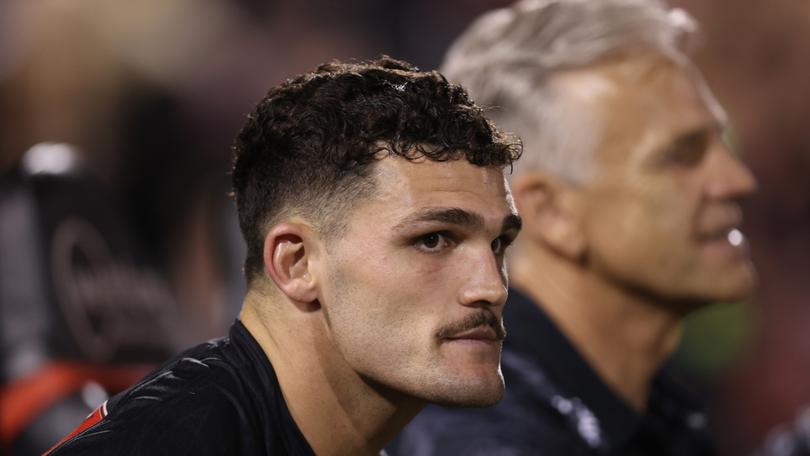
398 283
619 258
403 309
658 215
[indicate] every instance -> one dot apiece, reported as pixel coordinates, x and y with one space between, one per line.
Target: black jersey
218 398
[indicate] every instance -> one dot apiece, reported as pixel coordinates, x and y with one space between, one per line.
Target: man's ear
550 212
288 249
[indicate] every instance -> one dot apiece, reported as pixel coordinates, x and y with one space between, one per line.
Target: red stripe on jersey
92 419
24 399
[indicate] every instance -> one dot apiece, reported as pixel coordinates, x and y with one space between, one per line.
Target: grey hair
506 58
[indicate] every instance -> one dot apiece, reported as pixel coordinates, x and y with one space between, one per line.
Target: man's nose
485 284
729 177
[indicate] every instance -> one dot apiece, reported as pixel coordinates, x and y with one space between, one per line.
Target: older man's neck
338 412
624 337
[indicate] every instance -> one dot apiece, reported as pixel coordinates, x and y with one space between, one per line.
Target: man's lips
482 325
730 236
728 242
720 223
717 233
485 333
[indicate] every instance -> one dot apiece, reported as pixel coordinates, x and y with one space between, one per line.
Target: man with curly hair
374 206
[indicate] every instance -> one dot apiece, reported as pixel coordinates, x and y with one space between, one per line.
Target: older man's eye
497 245
500 244
689 150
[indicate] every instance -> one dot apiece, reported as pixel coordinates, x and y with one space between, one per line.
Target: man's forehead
396 174
662 101
413 186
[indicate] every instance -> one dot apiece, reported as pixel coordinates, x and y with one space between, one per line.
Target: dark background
152 93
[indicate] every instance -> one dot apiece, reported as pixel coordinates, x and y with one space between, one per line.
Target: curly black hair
308 146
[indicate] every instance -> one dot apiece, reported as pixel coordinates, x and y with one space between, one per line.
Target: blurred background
119 244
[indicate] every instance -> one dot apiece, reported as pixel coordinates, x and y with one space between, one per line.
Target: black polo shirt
219 398
556 404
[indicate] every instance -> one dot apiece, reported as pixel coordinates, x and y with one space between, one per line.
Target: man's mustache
473 321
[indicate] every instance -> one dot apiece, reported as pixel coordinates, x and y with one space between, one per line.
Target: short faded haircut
508 56
308 147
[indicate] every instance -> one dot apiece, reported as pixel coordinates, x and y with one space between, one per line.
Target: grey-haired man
629 201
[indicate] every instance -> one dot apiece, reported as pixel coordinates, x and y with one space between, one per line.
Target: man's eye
497 245
433 242
688 151
688 156
500 244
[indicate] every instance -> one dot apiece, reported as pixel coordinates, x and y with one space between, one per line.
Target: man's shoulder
204 377
195 401
194 370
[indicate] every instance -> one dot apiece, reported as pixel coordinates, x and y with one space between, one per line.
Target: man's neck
338 412
623 336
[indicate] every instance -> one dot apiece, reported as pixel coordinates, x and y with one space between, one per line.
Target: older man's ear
550 211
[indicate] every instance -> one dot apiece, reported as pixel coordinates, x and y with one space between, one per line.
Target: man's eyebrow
460 217
695 135
699 132
684 139
453 216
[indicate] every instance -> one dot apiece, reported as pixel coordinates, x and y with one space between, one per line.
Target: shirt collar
531 332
